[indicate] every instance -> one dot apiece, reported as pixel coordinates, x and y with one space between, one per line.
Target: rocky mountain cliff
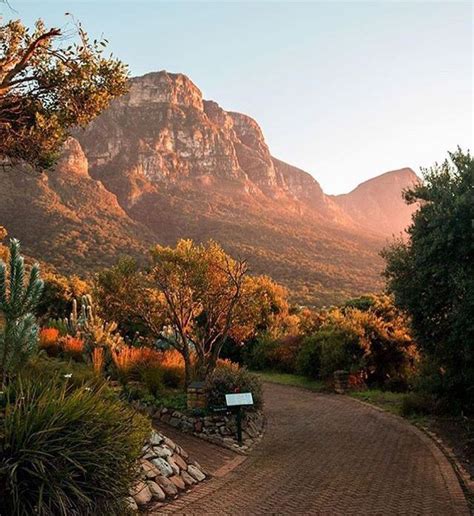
162 163
376 203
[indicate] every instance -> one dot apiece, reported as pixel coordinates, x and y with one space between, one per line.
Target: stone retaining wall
165 471
219 428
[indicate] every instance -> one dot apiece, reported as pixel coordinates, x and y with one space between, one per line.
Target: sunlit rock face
164 134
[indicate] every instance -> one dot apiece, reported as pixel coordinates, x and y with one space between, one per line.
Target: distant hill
162 164
375 204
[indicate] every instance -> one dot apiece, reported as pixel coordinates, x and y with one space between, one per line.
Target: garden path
326 454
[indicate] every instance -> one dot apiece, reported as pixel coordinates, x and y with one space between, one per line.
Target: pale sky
344 90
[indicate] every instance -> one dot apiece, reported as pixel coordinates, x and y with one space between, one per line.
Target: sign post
239 400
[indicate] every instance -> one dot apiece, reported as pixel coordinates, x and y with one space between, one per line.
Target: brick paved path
328 454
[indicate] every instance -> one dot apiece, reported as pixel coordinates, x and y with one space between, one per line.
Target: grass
389 401
292 379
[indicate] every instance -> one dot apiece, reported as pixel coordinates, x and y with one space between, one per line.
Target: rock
188 479
162 451
149 470
196 473
156 438
179 461
156 491
173 465
174 421
178 482
165 469
141 493
169 443
168 487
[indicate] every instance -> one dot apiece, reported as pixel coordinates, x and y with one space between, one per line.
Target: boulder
165 469
141 493
168 487
156 491
179 461
178 482
196 473
188 479
149 470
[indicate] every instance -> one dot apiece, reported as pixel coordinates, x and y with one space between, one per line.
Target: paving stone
328 454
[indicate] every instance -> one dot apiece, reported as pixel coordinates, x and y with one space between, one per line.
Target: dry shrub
129 361
49 341
98 360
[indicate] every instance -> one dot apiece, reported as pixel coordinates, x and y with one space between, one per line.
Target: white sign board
241 398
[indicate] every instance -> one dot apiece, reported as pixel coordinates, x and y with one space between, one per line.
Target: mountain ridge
174 165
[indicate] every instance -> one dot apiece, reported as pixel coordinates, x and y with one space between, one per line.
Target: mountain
375 204
162 163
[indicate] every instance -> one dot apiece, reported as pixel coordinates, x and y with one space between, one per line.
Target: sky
343 90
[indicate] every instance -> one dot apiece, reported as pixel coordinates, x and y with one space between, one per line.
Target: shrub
66 452
329 350
415 403
173 376
308 360
73 347
259 354
152 377
130 361
227 378
49 341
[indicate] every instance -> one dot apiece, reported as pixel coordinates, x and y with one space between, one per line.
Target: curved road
328 454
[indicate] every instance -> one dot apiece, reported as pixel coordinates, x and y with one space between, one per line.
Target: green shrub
66 451
308 361
259 355
228 378
152 377
329 350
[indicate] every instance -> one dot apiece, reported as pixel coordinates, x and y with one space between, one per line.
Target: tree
47 88
201 286
432 275
19 334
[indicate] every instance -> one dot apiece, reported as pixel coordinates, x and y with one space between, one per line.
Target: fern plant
18 300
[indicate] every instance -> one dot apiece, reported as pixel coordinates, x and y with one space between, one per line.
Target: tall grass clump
66 451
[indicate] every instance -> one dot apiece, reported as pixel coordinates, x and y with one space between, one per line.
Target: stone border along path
327 454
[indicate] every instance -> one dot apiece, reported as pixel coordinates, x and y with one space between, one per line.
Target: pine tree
18 299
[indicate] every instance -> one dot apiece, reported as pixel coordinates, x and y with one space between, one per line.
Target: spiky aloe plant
18 299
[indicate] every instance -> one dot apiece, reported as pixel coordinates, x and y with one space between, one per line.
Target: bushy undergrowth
66 450
228 378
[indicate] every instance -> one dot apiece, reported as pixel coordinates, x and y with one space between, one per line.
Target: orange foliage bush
73 347
128 360
98 360
49 340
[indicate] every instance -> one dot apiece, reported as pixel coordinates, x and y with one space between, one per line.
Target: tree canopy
432 274
50 82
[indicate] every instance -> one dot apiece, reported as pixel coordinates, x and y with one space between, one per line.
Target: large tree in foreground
432 275
50 82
